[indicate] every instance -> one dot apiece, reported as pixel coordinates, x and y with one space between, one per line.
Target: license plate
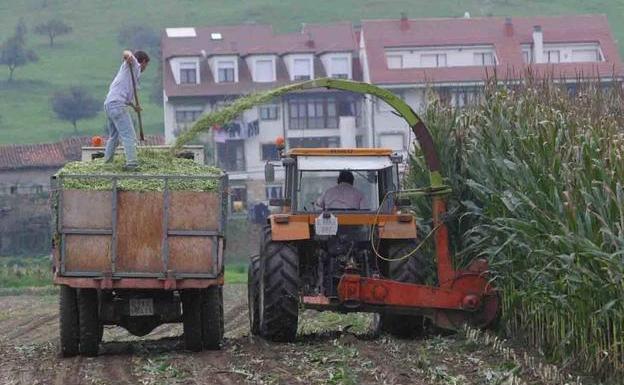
141 306
326 226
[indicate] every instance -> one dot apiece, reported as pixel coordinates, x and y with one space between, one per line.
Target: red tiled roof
49 155
382 34
243 40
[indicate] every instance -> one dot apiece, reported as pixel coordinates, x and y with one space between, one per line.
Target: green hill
90 55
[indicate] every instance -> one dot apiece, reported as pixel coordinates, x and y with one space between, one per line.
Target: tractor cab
311 172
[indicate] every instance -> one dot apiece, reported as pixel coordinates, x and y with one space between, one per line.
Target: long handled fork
136 102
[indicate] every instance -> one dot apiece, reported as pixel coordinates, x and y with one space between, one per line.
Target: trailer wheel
191 319
410 270
253 292
89 322
68 320
279 292
212 318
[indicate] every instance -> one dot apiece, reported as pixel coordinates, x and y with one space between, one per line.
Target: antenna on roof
466 15
404 22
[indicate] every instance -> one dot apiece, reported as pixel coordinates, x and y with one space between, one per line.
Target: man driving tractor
342 196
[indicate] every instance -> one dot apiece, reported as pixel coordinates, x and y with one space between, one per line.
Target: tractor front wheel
279 292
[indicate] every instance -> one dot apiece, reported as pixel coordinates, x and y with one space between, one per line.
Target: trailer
138 259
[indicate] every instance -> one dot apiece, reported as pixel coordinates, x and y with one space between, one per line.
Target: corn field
538 176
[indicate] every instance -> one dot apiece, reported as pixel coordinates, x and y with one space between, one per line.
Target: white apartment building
206 67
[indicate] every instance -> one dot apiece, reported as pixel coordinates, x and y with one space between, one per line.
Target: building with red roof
205 67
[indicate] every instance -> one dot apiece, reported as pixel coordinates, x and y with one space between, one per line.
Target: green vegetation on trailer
537 177
90 55
151 162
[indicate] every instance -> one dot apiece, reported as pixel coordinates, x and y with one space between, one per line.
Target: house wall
26 180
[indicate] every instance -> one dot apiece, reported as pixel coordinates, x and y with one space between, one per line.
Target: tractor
364 259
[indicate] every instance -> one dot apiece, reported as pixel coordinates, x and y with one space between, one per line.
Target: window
13 190
395 61
225 72
585 55
433 60
313 113
394 142
238 197
302 69
273 192
340 67
187 115
264 71
526 56
270 151
315 142
188 73
231 155
484 59
268 112
552 56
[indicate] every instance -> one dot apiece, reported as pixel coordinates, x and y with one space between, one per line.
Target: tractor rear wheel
279 292
411 270
253 292
88 322
192 319
68 320
212 317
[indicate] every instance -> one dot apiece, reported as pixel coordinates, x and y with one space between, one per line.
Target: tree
53 28
14 54
74 104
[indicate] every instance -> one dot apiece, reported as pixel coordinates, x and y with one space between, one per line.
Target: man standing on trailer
120 95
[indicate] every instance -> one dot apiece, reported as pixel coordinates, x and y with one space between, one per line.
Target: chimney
310 42
303 27
538 44
466 15
509 29
404 26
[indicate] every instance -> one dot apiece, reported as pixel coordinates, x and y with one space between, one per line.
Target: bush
538 184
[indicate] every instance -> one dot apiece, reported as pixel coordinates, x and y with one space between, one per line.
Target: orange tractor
364 259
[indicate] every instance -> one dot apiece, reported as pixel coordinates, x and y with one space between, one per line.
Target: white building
206 67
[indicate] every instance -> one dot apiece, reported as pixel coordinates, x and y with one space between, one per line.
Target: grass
537 178
90 55
22 272
34 275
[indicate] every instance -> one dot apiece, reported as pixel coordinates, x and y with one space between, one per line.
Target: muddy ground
331 349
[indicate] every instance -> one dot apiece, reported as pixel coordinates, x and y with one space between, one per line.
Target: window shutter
264 71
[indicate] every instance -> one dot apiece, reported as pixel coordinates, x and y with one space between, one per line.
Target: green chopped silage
92 175
230 112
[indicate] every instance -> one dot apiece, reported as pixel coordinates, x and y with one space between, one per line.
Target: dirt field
331 349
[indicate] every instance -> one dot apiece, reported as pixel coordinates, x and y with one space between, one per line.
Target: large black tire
88 322
192 319
410 270
279 292
212 317
253 293
68 320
